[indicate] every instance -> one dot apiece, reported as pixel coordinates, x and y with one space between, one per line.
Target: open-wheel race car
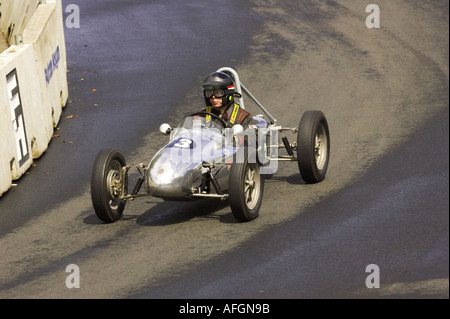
206 158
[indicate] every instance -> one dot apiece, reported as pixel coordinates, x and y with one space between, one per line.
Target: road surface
135 64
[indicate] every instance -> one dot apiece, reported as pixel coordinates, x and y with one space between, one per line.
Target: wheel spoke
317 148
248 195
248 190
320 148
249 186
114 185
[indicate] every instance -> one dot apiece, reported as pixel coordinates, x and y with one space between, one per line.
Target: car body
204 158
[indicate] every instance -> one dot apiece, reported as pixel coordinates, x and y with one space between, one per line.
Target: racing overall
233 114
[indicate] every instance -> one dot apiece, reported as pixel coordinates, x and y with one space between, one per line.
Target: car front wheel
246 188
108 184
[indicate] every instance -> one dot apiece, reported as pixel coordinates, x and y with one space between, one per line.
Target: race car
204 158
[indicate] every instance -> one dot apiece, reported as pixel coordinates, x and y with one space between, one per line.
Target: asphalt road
135 64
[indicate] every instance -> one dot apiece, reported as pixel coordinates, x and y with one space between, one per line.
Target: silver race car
204 158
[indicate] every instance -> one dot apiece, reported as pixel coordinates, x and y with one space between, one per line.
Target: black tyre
106 185
313 146
245 189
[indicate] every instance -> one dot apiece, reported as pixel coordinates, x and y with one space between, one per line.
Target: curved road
134 64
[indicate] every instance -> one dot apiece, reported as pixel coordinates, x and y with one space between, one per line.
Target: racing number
183 143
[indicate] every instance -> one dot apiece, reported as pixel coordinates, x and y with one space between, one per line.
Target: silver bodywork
175 172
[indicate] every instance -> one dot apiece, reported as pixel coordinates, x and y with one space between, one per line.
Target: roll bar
239 88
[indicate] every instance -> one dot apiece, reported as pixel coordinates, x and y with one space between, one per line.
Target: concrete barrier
33 83
15 15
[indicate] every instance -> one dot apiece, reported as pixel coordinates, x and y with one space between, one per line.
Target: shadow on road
170 212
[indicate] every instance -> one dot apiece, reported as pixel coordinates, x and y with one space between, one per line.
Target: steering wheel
204 113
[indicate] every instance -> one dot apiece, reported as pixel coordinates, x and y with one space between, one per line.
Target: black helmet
220 82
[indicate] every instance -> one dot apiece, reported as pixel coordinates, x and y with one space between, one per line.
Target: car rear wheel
246 188
107 185
313 146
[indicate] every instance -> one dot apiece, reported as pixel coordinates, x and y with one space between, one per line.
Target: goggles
216 93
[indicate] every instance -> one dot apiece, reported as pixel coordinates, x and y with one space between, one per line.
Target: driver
218 91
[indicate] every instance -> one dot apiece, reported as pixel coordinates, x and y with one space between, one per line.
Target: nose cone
169 177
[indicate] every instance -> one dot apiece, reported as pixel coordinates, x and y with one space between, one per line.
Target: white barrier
15 15
33 86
